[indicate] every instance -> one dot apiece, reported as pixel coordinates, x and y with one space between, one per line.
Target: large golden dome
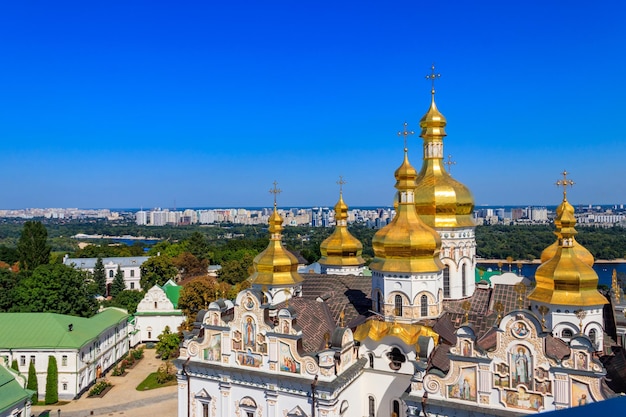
406 244
341 248
275 266
566 279
441 201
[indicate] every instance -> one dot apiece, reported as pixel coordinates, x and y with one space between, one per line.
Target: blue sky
199 103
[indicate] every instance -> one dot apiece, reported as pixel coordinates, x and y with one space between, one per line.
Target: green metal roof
11 392
172 291
51 330
486 274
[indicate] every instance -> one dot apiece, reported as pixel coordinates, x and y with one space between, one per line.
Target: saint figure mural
248 333
520 364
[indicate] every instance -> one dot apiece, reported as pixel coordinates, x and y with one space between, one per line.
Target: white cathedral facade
417 337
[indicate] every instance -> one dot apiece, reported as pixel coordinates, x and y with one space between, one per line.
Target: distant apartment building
141 218
130 266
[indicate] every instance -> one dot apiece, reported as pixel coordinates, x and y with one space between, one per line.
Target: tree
236 270
52 381
127 299
198 246
8 282
14 366
196 295
56 289
118 284
32 383
156 271
167 346
190 266
100 277
33 248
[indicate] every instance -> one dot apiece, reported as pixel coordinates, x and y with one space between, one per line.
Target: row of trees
52 380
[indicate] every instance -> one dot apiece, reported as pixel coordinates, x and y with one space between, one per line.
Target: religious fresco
520 329
249 333
286 326
237 343
287 361
465 388
261 344
521 366
466 349
249 303
500 381
522 399
249 359
580 394
214 351
581 361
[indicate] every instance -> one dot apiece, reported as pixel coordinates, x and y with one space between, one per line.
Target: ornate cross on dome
341 182
275 191
449 163
433 76
564 183
405 133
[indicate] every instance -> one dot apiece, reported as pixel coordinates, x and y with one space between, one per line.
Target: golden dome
341 248
406 244
441 201
566 279
275 266
566 209
409 333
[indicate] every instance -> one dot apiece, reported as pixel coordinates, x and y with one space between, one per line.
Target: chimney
70 327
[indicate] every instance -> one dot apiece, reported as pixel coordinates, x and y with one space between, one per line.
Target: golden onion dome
441 201
406 244
341 248
565 279
566 209
275 266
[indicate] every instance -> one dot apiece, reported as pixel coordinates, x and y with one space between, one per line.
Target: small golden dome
406 244
275 266
566 279
441 201
341 248
566 209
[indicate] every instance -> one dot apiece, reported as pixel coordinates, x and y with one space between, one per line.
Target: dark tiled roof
439 358
315 320
489 340
615 366
556 348
445 328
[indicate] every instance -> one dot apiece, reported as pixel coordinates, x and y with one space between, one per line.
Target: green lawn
151 383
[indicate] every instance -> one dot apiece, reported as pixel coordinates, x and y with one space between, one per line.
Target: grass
151 383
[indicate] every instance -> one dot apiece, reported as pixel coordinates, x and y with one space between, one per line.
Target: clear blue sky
206 103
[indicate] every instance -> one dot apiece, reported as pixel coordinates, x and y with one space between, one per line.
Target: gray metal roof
90 263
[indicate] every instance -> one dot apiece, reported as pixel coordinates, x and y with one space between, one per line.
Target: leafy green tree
33 248
127 299
190 266
236 270
9 255
14 365
52 381
118 285
198 246
197 294
8 282
156 271
168 344
169 249
100 277
56 289
32 383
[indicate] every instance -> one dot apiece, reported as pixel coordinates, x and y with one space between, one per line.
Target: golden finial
543 310
433 76
581 314
615 286
342 316
499 307
466 305
449 163
564 183
341 182
519 268
275 191
520 288
509 260
500 266
405 134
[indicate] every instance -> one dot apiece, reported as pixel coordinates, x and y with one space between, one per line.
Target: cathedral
420 337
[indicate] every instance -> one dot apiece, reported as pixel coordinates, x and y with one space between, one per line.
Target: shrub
165 373
14 366
138 353
52 381
98 388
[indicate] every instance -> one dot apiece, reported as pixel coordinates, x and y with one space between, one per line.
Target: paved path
123 398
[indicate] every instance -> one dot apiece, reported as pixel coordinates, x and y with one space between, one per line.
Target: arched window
463 280
446 282
371 356
566 333
378 302
111 274
592 336
398 305
371 405
396 408
424 305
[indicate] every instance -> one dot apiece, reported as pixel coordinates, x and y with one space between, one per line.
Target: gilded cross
564 183
449 163
405 133
341 182
275 191
433 76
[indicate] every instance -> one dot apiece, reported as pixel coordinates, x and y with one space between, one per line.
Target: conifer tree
32 247
14 366
32 382
52 381
100 277
118 284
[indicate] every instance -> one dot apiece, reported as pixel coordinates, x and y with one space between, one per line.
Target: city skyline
202 105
